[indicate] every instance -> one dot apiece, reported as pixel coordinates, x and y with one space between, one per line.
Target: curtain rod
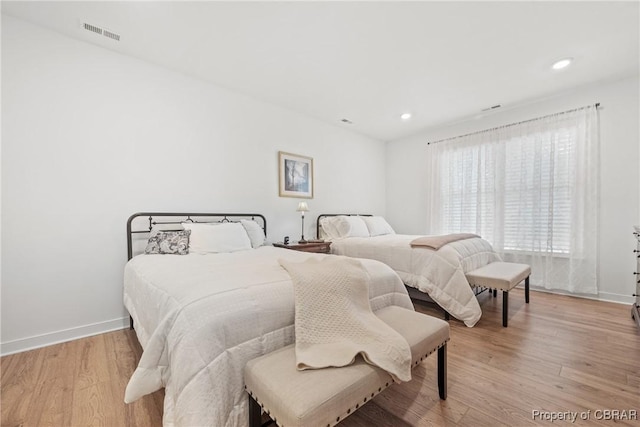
597 104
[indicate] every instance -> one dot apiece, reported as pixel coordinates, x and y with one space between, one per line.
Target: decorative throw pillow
217 238
377 226
254 231
351 226
168 242
328 228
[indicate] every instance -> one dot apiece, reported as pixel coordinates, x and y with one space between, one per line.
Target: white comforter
200 318
441 273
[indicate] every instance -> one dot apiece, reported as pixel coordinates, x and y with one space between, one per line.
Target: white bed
201 317
438 273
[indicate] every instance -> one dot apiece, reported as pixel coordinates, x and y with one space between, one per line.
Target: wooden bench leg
526 290
505 308
442 371
495 293
255 413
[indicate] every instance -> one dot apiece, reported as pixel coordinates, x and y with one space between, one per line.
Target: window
530 189
519 188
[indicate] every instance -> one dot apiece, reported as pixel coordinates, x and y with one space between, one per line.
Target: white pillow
351 226
254 231
328 227
377 226
217 238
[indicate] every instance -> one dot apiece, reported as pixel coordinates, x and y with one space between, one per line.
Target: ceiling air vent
93 28
101 31
111 35
493 107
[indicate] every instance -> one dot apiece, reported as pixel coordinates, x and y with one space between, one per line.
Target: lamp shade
302 207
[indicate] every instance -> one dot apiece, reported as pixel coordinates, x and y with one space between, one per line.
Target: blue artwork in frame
296 175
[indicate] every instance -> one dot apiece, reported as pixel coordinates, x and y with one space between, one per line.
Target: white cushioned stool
324 397
502 276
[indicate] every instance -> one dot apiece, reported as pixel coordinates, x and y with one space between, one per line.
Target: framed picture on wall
296 175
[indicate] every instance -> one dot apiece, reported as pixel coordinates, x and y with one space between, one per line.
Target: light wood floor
558 354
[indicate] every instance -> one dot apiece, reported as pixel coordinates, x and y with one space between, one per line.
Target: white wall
620 189
90 136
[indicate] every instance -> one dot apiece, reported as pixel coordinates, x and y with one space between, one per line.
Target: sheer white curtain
530 189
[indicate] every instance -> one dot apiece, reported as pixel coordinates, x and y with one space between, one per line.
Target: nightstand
317 247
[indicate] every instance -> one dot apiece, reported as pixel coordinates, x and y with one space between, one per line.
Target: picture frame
295 175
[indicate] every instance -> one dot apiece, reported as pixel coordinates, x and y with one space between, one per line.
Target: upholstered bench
324 397
502 276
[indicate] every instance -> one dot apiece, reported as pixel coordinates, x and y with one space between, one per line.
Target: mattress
440 274
201 317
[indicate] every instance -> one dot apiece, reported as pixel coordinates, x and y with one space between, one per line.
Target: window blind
530 189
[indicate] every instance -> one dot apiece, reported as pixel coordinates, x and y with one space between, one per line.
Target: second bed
438 273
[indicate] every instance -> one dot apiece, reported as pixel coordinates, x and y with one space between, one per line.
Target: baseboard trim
602 296
622 299
44 340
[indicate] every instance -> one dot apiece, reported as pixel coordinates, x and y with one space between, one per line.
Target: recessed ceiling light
405 116
563 63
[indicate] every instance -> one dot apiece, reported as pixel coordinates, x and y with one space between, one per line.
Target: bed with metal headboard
202 316
435 276
414 293
141 224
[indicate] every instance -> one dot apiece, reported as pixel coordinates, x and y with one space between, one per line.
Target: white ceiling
368 61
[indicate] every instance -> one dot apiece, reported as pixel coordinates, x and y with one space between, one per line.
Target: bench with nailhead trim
324 397
502 276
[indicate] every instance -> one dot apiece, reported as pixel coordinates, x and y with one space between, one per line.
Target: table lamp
302 208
